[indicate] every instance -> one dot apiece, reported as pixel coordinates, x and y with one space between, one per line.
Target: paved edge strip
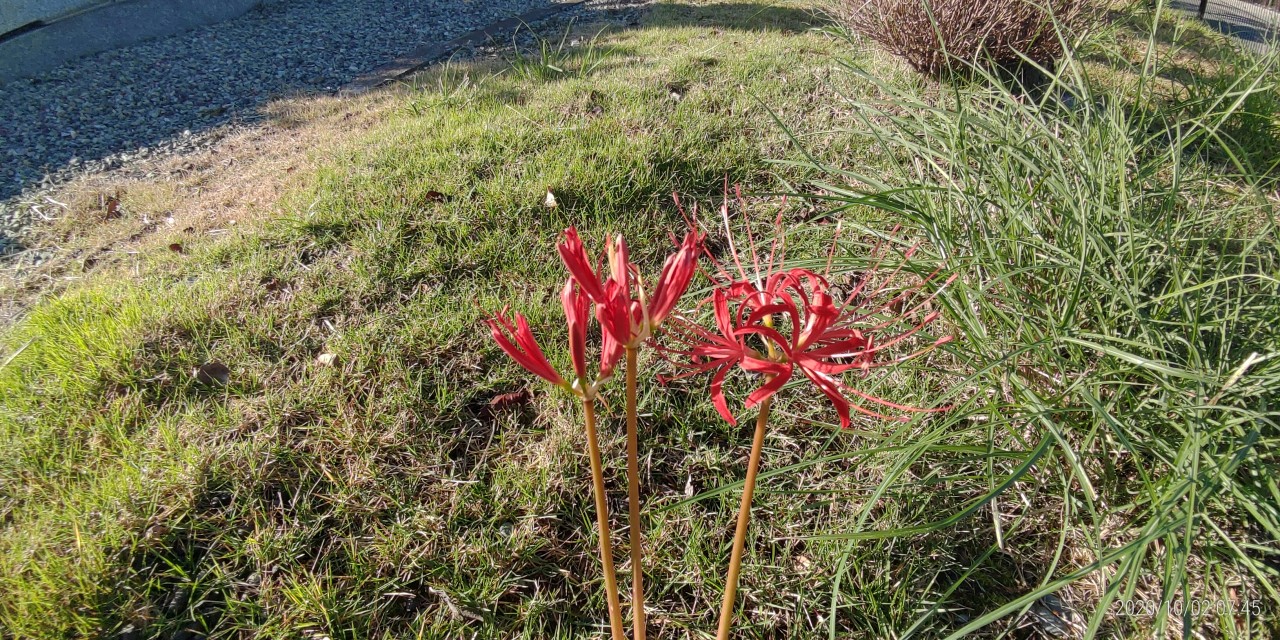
108 25
425 55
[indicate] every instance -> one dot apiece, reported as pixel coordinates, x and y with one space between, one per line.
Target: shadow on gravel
101 111
175 94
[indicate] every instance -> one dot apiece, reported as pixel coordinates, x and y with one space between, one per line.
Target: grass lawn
1114 440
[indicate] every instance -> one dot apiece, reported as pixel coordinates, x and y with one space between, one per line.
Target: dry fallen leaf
176 247
550 201
212 372
327 359
113 208
515 398
436 196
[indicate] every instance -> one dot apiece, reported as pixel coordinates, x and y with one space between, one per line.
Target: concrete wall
17 13
109 25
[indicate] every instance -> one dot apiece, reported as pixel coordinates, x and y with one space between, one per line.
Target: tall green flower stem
602 522
633 497
744 517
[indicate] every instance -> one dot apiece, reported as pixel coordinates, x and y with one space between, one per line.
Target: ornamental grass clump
1119 261
935 36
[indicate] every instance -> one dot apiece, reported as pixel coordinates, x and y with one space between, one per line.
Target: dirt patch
102 224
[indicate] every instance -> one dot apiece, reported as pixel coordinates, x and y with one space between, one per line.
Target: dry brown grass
934 35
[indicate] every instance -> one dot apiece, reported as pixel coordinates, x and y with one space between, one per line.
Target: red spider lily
674 278
628 315
525 350
773 322
575 259
516 339
577 312
800 326
626 311
721 351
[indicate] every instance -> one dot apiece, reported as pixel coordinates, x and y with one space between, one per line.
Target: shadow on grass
741 17
244 99
1252 24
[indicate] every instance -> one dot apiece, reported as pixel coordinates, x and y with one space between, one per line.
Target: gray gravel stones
185 92
148 94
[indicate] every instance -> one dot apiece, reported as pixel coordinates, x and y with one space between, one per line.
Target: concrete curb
423 56
109 26
17 14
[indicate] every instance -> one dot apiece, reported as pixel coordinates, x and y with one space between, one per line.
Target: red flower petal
773 382
528 354
613 312
674 279
717 394
576 310
619 262
610 351
576 261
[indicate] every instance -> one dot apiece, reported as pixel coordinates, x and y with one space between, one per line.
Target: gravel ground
179 93
112 111
33 264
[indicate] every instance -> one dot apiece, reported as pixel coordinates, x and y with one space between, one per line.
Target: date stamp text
1196 607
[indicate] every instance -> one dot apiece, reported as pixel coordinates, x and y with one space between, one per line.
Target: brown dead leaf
512 399
112 207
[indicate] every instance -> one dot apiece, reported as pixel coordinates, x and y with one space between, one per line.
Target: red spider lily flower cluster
626 320
627 312
776 322
780 324
516 339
